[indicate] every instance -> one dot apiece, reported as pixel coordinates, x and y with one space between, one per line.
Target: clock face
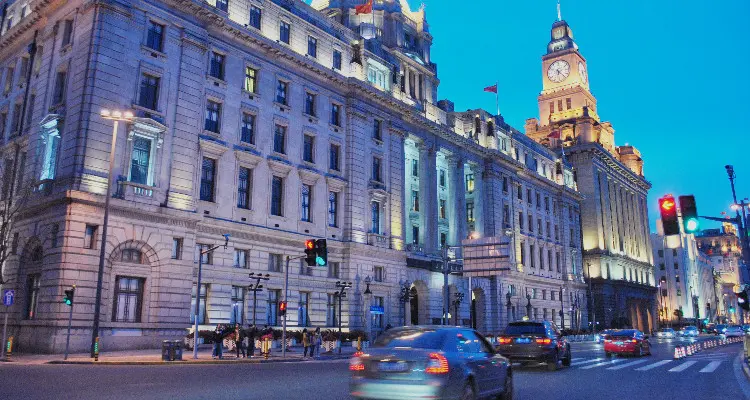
558 71
582 72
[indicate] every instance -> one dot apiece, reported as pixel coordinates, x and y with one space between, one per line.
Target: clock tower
565 90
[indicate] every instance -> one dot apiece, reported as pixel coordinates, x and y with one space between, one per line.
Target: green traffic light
692 225
320 261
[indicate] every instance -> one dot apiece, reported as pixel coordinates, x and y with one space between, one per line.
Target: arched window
132 256
477 127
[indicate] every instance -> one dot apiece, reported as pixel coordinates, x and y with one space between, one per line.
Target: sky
673 77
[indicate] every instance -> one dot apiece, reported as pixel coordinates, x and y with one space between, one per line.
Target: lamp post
562 310
340 294
528 305
116 117
198 292
741 223
257 287
368 302
508 305
456 304
404 297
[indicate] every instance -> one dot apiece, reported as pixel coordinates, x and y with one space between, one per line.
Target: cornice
608 159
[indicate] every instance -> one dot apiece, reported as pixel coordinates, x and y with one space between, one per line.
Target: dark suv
534 342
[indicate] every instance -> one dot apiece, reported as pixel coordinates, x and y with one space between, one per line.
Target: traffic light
668 210
743 301
68 299
689 214
282 308
310 253
321 251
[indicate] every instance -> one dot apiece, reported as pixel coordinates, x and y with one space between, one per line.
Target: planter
189 342
291 342
365 344
229 344
330 345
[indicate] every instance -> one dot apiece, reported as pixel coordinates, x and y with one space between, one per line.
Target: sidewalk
153 357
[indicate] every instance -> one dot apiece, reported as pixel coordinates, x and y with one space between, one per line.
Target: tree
678 313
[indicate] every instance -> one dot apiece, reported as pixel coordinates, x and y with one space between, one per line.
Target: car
435 362
539 342
733 331
746 328
599 337
710 328
627 341
720 329
689 331
665 333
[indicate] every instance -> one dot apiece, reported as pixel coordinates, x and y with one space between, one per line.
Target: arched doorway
414 305
419 313
477 310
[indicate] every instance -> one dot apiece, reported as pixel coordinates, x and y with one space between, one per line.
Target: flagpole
497 96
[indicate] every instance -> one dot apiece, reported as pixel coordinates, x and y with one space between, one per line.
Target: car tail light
633 341
356 364
437 364
504 340
544 341
607 340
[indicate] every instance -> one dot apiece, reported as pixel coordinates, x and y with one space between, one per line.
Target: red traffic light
309 244
668 211
667 204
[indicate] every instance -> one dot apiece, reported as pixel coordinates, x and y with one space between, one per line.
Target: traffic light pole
286 297
198 293
70 322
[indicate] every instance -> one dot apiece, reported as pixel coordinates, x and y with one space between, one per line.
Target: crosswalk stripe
616 360
621 366
586 362
654 365
682 366
711 367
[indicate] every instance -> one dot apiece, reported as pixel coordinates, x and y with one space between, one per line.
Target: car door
497 370
477 361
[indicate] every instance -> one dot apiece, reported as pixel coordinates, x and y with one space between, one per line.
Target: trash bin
167 353
177 350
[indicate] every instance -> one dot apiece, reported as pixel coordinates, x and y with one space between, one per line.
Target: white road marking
616 360
682 366
654 365
711 367
621 366
586 362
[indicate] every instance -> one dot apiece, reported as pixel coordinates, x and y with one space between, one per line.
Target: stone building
614 214
272 121
722 247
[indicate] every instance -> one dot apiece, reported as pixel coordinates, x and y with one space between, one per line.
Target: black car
527 341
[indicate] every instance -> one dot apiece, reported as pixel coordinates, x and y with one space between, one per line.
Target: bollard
9 349
677 353
96 349
359 343
267 348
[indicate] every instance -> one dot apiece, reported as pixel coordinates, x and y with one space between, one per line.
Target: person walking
306 343
239 337
250 333
218 338
317 340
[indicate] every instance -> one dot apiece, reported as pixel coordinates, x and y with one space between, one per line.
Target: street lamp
257 287
456 304
115 116
508 305
340 294
198 292
742 220
404 297
368 302
528 305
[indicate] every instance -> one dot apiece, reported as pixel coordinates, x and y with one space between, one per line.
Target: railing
374 239
415 248
135 191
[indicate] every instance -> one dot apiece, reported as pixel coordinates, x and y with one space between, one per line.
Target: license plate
393 366
619 343
523 340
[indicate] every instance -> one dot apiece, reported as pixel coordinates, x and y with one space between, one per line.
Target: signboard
8 296
485 254
377 310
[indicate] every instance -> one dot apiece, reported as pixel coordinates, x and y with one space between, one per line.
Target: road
709 374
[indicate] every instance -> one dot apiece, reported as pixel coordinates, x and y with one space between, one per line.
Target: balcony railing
373 239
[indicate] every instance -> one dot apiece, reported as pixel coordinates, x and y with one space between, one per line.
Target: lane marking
621 366
711 367
682 366
616 360
586 362
654 365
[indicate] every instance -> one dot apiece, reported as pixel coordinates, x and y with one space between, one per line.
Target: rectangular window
149 94
222 5
282 89
443 239
8 80
310 104
279 139
331 316
520 220
528 197
32 295
251 80
312 47
60 83
140 160
240 259
67 36
415 168
213 115
337 60
247 134
277 196
272 312
128 298
375 217
255 17
661 266
523 254
469 183
208 176
377 131
415 200
415 234
376 170
24 71
519 192
244 188
539 226
660 253
378 273
303 319
333 209
559 105
216 67
551 107
531 223
89 237
549 260
531 255
333 163
274 262
284 31
470 212
306 199
177 248
238 305
505 184
16 123
336 114
333 269
568 104
308 149
441 178
442 208
506 215
155 36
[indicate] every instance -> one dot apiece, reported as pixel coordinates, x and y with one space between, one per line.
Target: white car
665 333
734 331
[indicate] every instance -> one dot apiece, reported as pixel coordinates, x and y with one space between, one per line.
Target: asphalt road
708 375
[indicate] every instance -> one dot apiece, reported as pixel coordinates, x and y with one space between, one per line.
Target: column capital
454 160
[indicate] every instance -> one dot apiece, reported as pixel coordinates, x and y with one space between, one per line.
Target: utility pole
198 293
341 293
257 287
741 225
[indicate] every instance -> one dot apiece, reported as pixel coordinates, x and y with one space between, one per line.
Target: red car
627 341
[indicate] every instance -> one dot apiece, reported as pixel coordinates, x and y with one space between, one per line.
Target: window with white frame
238 305
244 188
240 258
256 15
128 299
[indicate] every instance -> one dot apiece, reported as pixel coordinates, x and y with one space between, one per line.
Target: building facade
723 250
272 121
614 215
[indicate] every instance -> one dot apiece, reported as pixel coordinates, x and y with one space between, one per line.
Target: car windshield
411 338
525 328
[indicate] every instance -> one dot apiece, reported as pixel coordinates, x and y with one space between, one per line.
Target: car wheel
607 354
640 351
468 393
508 393
567 360
552 364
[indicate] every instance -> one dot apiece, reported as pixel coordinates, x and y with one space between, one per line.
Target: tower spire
559 15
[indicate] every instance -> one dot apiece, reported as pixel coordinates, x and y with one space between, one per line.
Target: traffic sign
8 296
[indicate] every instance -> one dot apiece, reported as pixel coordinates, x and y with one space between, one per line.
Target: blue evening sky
671 76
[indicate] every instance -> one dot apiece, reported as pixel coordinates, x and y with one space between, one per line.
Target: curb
191 362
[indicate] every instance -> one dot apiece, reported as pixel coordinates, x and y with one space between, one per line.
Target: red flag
554 135
492 89
364 8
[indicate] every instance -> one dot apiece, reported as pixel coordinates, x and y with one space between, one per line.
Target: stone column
479 200
457 210
397 188
428 199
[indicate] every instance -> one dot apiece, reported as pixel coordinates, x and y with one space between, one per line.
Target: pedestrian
250 333
316 342
306 343
239 337
218 338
